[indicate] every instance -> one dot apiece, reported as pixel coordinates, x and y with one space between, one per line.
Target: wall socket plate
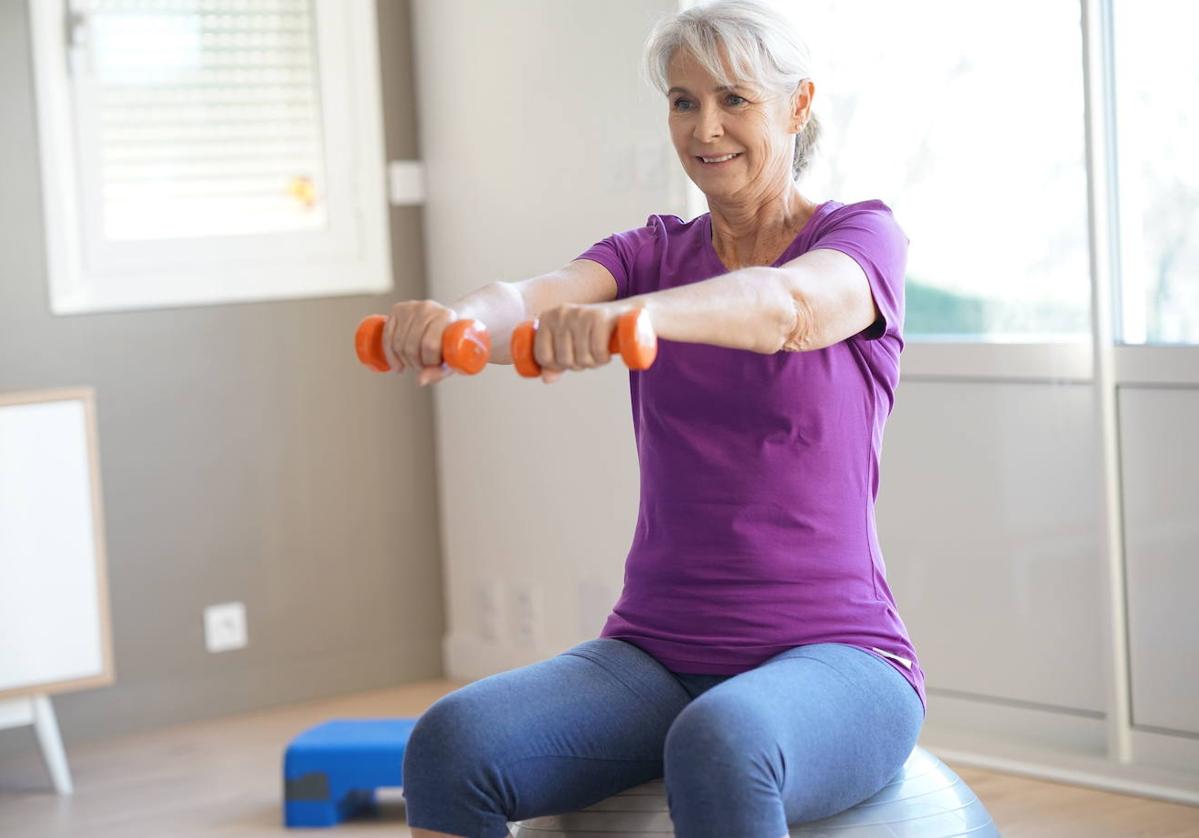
406 183
225 627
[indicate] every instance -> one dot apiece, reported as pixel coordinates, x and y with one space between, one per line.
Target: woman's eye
681 104
734 99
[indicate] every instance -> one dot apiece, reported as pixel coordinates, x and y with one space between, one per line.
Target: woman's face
708 123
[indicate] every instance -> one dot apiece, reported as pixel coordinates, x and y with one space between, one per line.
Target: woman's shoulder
659 229
869 206
869 215
672 225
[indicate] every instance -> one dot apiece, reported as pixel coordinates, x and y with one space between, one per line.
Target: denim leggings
809 733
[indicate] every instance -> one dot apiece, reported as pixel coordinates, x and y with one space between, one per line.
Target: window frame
349 256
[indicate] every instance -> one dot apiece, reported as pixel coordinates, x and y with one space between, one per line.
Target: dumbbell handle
465 345
633 338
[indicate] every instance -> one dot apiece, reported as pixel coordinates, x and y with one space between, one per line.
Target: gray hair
762 46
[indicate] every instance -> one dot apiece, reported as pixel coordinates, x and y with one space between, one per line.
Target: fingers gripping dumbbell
633 338
465 345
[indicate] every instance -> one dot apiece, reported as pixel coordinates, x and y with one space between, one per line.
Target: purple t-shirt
755 531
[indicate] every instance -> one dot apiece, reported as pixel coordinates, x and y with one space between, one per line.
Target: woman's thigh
552 737
811 732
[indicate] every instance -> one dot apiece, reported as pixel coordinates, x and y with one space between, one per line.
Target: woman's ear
801 104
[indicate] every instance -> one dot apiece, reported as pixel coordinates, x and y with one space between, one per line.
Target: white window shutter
203 151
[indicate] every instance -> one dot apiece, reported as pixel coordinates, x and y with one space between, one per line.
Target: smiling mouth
716 161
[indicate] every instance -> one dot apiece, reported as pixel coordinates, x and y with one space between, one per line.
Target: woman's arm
815 301
502 306
812 302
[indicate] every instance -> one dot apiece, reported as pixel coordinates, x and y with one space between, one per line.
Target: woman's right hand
412 338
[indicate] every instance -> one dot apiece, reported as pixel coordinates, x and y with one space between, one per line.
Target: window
1157 133
203 151
975 137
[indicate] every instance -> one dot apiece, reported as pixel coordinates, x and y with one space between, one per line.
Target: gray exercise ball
926 799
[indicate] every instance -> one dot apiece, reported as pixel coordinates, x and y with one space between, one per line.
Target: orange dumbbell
633 338
465 345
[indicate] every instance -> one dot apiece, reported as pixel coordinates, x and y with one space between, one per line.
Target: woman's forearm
501 308
749 308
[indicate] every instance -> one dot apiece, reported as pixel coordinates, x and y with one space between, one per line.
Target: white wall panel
1160 464
539 138
989 517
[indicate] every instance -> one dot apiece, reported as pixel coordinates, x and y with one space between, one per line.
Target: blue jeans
809 733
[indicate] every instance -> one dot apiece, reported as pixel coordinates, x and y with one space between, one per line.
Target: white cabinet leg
46 725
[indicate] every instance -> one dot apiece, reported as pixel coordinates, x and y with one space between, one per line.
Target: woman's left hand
575 337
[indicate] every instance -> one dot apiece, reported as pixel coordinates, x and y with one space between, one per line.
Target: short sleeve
621 253
868 233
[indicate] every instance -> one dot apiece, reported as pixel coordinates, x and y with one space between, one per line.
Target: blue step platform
331 771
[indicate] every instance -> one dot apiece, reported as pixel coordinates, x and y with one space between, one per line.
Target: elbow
799 326
515 294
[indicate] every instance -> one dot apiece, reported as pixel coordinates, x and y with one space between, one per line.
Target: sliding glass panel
1157 87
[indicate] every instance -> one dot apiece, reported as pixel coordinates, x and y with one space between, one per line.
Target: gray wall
245 455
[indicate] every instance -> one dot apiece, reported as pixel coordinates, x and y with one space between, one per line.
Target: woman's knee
716 738
449 775
449 740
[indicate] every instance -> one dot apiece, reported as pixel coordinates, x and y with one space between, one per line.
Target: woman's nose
707 124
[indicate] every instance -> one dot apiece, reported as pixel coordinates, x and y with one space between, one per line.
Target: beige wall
245 456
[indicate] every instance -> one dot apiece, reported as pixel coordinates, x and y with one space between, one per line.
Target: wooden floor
223 778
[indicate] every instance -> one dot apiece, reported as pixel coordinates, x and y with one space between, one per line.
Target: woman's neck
758 231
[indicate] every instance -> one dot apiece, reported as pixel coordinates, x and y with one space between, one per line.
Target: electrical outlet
406 182
225 627
487 611
526 615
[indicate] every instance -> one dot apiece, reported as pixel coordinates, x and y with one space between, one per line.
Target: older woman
755 657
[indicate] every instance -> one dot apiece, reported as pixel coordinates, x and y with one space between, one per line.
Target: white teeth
718 159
